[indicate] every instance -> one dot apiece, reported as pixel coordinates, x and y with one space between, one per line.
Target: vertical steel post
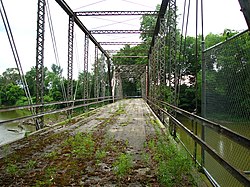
203 98
96 71
39 61
85 68
70 61
147 82
172 67
162 45
150 81
162 56
154 79
102 75
109 76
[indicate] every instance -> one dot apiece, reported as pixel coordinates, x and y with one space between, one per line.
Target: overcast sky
218 15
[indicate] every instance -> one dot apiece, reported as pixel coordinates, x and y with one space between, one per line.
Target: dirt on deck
107 148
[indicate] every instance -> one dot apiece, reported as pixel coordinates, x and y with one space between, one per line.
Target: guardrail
85 104
230 158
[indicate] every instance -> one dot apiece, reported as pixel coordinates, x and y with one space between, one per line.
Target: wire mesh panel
236 155
227 88
228 83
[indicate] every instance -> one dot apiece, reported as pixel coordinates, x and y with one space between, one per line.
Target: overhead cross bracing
116 13
120 43
115 51
130 71
120 32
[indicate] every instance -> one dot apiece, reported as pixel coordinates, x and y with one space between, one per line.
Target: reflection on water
235 154
13 131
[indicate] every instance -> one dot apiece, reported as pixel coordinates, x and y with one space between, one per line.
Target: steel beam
130 57
161 14
172 64
120 32
85 68
245 8
39 62
172 72
136 50
120 43
115 13
70 12
96 71
70 60
162 54
109 75
102 75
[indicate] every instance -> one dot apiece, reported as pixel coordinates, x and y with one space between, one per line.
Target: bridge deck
99 149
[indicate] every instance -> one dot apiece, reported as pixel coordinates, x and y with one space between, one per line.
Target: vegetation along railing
223 154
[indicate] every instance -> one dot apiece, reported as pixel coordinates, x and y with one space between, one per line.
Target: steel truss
85 68
245 8
162 53
70 60
39 62
115 51
120 43
131 71
116 84
120 32
130 57
172 63
116 13
96 71
102 76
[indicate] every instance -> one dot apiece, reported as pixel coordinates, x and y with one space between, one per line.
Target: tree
54 83
31 81
12 94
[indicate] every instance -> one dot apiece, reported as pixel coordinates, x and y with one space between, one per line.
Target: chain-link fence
227 102
227 83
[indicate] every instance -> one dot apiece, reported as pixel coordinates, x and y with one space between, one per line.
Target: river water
11 132
235 154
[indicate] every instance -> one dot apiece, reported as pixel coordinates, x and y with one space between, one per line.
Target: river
12 131
232 152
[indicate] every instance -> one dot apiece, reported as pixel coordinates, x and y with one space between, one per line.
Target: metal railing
212 146
91 101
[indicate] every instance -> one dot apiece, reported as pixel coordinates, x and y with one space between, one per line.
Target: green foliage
51 155
123 165
49 177
31 165
12 169
173 166
82 145
148 24
100 154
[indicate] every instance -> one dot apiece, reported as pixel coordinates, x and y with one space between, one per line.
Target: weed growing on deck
11 169
50 173
123 165
52 155
100 154
30 165
173 165
83 145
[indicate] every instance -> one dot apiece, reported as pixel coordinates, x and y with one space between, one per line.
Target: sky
218 15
